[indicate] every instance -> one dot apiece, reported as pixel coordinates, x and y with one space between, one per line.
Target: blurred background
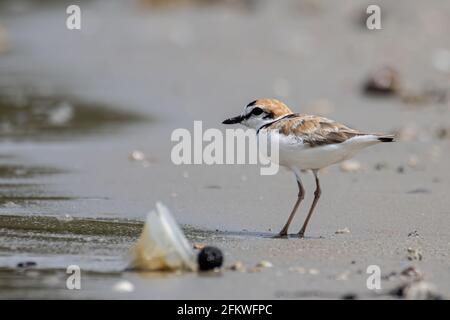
86 115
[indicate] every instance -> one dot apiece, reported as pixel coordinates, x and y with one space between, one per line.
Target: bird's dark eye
257 111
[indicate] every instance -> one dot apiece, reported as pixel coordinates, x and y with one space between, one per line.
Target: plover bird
306 142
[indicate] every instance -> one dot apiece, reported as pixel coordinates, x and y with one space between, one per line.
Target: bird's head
259 112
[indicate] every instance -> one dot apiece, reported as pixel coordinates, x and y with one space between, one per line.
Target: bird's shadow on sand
255 234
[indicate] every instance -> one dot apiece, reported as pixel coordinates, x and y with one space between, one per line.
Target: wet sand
70 198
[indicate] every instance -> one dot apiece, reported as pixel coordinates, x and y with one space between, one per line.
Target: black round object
210 258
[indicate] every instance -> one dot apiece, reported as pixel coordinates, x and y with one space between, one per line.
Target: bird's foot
301 234
282 234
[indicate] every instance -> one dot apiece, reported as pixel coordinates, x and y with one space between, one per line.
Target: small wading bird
306 142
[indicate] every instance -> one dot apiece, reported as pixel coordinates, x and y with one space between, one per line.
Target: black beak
234 120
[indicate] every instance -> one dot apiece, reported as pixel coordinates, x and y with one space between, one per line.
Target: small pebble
411 272
350 166
123 286
137 155
26 264
413 234
384 81
413 254
237 266
313 271
413 161
342 231
343 276
381 166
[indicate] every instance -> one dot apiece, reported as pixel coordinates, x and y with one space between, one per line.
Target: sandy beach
135 72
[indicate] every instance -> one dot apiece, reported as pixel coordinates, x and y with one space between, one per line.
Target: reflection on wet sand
28 115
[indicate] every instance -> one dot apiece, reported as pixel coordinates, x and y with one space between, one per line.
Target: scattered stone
412 272
313 272
414 254
381 166
264 264
137 155
237 266
349 296
343 276
442 133
210 258
198 246
413 161
385 81
26 264
350 166
400 169
124 286
417 290
342 231
413 234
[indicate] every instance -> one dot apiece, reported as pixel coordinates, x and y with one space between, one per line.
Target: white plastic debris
162 245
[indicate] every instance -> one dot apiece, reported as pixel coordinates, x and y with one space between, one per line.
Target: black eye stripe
252 103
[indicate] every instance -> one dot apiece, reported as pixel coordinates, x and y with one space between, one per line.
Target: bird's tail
386 137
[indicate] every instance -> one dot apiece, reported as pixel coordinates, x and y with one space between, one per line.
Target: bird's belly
314 158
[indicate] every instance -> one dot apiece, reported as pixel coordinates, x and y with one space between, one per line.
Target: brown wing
313 130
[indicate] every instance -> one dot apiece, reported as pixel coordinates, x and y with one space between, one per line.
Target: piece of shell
123 286
264 264
342 231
